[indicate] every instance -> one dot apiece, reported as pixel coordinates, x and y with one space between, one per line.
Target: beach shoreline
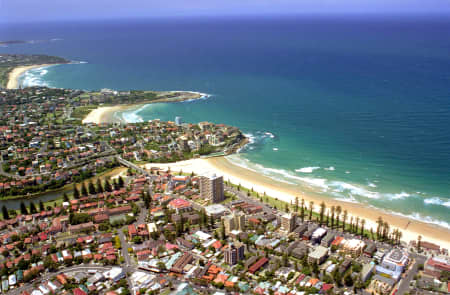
106 114
410 228
14 75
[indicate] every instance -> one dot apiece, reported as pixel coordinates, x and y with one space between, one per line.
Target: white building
114 274
216 210
393 263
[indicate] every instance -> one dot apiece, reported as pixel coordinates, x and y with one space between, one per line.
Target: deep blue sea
355 107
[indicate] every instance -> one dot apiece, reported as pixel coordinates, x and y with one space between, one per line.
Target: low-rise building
319 255
434 266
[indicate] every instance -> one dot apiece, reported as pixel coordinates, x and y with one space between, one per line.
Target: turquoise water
358 109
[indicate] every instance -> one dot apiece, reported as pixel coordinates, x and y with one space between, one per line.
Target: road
129 264
404 284
48 275
132 166
243 196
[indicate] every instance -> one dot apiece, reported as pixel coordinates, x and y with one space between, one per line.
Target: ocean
356 108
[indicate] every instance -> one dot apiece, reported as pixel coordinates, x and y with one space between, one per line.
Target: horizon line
435 15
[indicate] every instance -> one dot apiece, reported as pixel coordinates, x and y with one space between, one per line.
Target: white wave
275 149
397 196
371 184
426 219
133 116
278 174
77 62
331 168
344 187
254 139
349 199
307 169
437 201
34 77
347 172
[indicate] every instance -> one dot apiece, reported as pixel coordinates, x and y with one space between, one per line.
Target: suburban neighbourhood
116 227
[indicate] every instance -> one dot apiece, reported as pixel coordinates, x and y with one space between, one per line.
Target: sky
51 10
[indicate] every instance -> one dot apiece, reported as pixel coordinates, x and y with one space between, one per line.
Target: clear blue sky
41 10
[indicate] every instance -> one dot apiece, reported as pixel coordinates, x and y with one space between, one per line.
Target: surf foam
307 169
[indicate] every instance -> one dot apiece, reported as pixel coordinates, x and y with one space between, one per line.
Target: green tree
348 280
41 206
344 219
121 182
285 259
23 208
99 186
91 188
322 211
380 224
5 212
338 214
65 198
333 210
76 193
84 191
311 207
302 210
32 208
108 187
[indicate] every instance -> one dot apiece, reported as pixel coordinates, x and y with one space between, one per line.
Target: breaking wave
35 77
307 169
133 116
437 201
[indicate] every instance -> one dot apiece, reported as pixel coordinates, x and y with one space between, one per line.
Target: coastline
106 114
410 228
14 75
286 192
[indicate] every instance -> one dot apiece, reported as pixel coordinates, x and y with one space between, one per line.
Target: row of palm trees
332 218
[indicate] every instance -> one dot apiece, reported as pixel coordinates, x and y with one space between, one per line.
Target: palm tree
332 216
338 214
400 235
363 222
379 227
419 240
351 223
344 219
385 230
357 224
322 211
311 206
328 217
296 204
302 210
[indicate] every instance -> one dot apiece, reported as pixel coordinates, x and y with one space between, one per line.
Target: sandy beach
14 75
410 228
105 114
